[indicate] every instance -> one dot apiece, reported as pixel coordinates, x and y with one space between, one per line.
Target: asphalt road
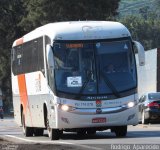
141 134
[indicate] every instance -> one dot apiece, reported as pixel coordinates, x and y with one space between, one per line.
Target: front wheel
54 134
91 132
120 131
28 131
1 116
81 133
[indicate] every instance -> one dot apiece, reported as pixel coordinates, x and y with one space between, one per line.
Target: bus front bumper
82 118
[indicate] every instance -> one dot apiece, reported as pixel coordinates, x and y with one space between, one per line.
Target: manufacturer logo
98 103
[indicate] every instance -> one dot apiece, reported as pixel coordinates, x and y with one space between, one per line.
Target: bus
78 76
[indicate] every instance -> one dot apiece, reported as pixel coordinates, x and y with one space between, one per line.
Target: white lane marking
54 142
28 140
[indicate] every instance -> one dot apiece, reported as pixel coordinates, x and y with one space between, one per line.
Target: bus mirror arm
49 54
141 53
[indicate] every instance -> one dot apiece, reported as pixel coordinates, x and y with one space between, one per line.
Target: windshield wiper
110 85
84 85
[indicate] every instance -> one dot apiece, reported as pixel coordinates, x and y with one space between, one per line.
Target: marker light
130 104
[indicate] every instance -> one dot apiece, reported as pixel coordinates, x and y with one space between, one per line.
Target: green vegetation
142 17
21 16
147 31
39 12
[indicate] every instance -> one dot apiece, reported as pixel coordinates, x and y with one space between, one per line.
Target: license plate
98 120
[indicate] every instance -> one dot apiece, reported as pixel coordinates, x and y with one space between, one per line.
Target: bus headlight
130 104
66 107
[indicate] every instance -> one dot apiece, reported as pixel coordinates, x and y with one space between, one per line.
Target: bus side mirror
49 54
141 53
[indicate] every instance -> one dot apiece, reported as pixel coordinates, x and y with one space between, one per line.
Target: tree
11 12
145 31
157 7
40 12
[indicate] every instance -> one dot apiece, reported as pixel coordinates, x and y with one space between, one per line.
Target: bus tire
54 134
91 132
27 131
81 133
1 116
38 131
144 120
120 131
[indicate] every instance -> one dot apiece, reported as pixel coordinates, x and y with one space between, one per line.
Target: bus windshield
95 67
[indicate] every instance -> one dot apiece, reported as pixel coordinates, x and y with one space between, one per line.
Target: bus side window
17 61
33 56
13 60
13 54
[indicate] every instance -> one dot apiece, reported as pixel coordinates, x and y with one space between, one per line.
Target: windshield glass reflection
117 64
95 67
75 67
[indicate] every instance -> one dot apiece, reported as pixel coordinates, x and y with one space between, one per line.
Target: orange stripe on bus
19 41
23 94
23 91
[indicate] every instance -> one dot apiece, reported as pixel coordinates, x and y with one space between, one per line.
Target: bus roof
78 30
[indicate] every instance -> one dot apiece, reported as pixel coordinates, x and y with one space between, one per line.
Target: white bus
75 77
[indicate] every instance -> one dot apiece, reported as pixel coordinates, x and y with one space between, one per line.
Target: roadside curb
148 126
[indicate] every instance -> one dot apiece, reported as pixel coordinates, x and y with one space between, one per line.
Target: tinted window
88 67
154 96
28 57
17 60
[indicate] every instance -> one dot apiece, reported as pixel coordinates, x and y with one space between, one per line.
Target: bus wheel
28 131
120 131
1 116
54 134
38 131
91 132
81 133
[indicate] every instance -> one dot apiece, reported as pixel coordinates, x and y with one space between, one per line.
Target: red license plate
98 120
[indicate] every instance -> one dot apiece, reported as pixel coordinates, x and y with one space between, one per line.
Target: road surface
141 134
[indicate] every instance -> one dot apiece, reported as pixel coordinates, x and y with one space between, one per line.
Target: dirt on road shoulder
8 145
